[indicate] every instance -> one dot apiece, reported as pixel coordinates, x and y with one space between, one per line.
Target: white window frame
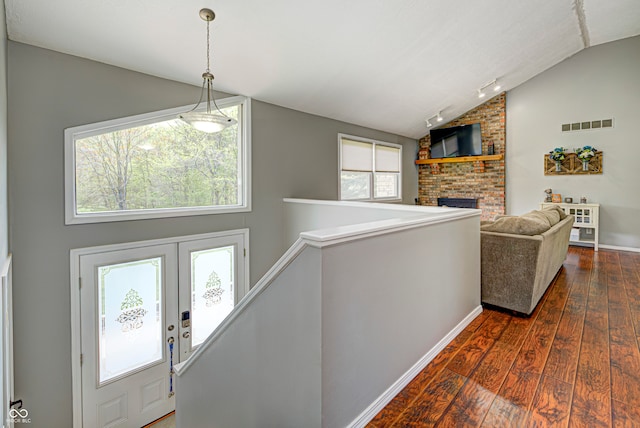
85 131
373 171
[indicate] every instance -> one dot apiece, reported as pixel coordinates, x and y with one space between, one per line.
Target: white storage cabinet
585 225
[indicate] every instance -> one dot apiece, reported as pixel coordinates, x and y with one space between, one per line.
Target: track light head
438 117
496 88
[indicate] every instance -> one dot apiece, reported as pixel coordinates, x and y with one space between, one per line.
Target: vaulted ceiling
387 65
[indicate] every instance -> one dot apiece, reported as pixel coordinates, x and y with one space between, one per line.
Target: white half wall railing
365 297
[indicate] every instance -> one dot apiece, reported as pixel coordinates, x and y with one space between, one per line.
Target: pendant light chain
208 47
209 78
210 97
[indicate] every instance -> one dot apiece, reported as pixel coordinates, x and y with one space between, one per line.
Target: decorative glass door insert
212 290
130 317
210 287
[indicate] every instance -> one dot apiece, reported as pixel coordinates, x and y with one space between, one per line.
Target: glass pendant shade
209 121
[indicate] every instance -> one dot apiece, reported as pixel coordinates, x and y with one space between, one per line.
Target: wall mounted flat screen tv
465 140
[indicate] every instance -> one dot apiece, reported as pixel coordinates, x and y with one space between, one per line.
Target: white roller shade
357 156
387 159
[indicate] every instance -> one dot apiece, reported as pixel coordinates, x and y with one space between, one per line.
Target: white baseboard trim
615 247
374 408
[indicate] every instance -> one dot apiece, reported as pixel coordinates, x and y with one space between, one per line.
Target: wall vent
581 126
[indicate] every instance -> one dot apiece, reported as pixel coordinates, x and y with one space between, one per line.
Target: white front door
143 309
129 303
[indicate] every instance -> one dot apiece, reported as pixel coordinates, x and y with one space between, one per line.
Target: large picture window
155 165
369 170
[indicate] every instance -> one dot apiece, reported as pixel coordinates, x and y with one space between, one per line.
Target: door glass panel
212 290
130 320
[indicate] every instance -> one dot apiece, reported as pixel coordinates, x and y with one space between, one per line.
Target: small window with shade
370 170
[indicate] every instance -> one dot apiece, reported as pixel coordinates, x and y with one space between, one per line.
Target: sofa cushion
557 209
528 224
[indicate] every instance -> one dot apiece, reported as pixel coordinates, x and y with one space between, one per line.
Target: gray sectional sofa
520 256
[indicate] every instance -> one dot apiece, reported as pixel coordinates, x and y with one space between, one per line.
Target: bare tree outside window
161 165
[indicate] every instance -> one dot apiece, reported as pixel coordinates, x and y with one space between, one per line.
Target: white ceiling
387 65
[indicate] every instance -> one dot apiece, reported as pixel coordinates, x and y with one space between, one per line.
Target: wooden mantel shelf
460 159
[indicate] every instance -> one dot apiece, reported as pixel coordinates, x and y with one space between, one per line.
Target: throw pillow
538 215
552 215
557 209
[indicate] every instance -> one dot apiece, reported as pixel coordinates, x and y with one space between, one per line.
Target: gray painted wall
294 154
598 83
380 319
4 210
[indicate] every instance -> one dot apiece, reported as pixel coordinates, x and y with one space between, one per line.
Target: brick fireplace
484 181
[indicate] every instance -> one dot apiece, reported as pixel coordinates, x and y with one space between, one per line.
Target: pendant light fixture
212 120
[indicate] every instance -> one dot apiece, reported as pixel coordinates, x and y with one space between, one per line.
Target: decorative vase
558 166
585 165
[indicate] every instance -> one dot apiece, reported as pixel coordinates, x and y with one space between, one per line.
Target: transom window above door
155 165
369 170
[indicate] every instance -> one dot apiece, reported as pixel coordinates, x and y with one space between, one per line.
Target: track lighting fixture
496 88
437 117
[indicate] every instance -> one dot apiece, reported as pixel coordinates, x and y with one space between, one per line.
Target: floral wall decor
583 160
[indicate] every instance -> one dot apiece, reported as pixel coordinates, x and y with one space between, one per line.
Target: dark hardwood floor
575 362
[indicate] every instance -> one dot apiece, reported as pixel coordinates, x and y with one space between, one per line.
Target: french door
208 287
143 308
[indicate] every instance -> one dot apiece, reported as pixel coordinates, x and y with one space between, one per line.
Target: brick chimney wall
484 181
